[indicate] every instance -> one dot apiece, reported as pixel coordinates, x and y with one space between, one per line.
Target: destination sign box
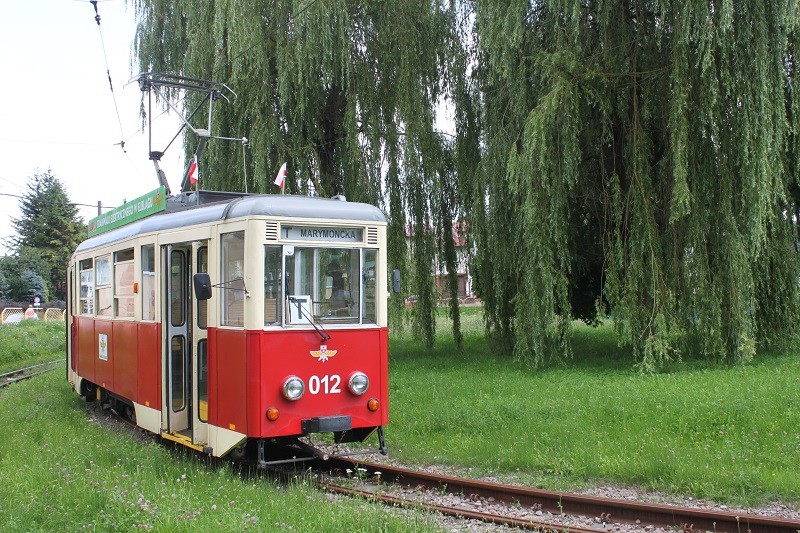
319 233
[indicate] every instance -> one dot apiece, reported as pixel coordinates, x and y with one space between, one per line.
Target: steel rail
457 512
25 373
683 518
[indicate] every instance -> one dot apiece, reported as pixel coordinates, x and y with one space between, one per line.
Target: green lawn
30 342
728 433
60 470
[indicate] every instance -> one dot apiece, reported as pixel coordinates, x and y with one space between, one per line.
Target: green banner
144 206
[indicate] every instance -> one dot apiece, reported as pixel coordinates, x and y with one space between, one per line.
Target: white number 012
324 384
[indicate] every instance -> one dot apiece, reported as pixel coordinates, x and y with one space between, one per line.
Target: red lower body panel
247 370
148 387
246 373
123 357
227 379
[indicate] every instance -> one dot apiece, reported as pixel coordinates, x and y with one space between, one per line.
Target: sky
57 111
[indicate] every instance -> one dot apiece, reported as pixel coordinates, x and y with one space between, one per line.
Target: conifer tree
18 269
35 286
49 224
3 286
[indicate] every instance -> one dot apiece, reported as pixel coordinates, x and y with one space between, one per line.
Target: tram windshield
327 285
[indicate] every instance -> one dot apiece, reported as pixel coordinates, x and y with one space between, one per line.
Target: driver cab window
328 280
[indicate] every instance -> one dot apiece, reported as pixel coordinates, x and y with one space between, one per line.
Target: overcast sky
57 110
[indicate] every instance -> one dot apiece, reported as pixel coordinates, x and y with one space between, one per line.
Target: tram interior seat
332 308
235 314
203 410
271 311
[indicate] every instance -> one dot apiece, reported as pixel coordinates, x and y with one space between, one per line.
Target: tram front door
185 383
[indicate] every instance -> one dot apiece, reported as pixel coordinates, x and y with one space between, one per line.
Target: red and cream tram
234 322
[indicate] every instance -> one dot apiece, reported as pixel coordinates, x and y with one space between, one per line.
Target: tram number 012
324 384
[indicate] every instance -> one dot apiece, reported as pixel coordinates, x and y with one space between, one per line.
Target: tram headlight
293 388
358 383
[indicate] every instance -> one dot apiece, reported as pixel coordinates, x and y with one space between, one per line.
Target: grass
30 342
62 471
727 433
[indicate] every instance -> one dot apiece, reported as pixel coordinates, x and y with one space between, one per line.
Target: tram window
202 305
272 285
123 283
103 296
368 282
86 306
148 282
177 287
177 374
332 277
232 293
202 380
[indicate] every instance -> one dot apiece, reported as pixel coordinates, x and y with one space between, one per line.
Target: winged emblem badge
323 354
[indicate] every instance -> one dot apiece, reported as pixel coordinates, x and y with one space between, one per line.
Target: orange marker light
135 287
273 414
373 404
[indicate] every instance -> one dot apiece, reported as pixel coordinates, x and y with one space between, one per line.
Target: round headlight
293 388
359 383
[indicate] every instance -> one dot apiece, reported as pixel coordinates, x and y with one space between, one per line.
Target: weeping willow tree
345 91
639 161
631 159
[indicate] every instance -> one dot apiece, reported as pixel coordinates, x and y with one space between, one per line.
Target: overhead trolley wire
121 143
77 204
55 141
269 33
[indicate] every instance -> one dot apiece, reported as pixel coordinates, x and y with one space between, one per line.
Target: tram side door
178 338
200 352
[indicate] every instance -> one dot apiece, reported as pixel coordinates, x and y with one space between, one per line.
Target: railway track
605 512
544 510
26 373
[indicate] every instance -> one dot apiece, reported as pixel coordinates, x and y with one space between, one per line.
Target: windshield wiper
320 330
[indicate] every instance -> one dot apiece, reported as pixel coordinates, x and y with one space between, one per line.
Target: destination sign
317 233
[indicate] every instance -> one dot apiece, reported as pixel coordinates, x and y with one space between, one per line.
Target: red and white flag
193 171
280 179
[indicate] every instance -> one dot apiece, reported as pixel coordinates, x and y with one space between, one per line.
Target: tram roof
179 214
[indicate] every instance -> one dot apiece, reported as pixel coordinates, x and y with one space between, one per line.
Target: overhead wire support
121 143
152 82
148 80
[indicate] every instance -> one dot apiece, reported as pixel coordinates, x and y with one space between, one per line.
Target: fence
15 315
